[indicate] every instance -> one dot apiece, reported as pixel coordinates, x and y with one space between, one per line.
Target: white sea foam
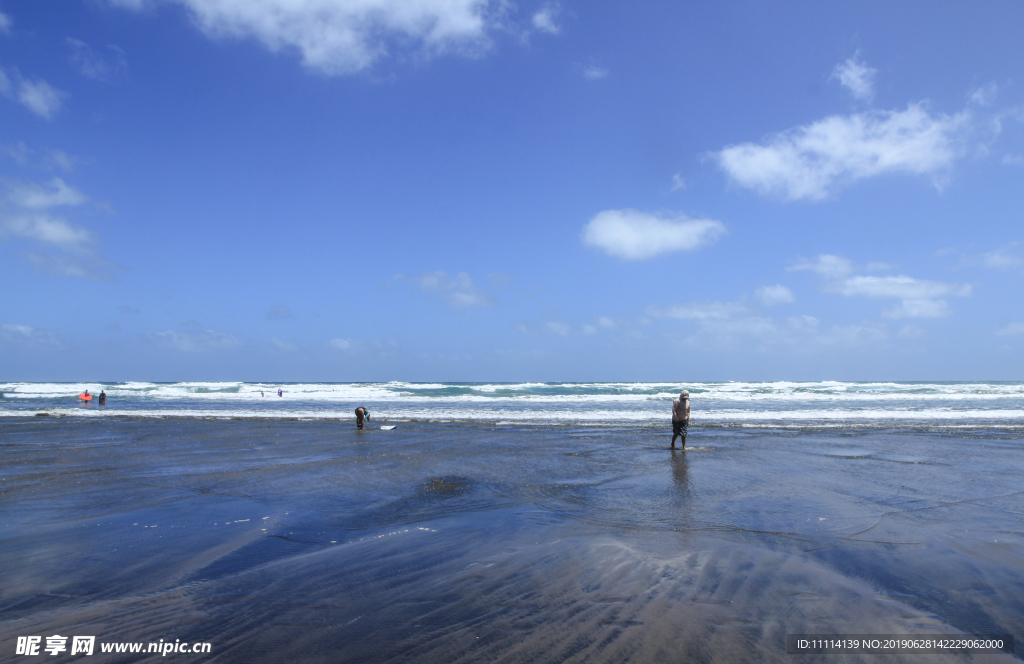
643 403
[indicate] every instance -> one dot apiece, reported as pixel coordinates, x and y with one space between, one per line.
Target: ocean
787 404
508 522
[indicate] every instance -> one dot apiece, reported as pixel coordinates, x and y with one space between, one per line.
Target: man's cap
685 394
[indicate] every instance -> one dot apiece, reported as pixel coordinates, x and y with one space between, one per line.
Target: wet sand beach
280 540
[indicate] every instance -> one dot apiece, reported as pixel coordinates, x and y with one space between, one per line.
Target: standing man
361 414
680 417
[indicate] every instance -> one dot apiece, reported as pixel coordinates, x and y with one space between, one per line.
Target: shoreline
873 425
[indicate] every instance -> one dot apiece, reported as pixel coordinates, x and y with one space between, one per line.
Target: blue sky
332 190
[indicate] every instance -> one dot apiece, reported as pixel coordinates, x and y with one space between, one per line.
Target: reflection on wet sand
302 541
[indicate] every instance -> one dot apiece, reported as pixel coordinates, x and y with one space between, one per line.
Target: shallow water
310 541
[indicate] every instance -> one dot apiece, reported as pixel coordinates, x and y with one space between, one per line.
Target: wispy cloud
546 19
1003 259
594 73
285 346
280 312
342 344
985 95
562 328
458 290
5 23
772 295
827 265
48 160
919 308
698 311
635 235
27 211
345 37
856 77
1012 329
40 197
36 95
813 161
559 328
899 287
193 340
728 325
919 297
109 65
60 159
29 337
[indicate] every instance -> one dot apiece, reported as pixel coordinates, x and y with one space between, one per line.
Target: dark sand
312 542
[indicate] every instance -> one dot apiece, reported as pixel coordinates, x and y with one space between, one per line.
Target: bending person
361 414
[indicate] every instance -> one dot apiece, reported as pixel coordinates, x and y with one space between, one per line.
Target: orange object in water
85 397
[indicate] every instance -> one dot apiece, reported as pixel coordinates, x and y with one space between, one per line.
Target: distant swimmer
361 414
261 393
103 397
85 396
680 417
280 392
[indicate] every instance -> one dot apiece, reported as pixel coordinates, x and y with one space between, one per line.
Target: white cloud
26 212
797 333
635 235
1013 159
678 182
193 341
1000 259
41 98
46 229
37 96
827 265
594 73
342 344
561 329
5 23
336 37
40 197
24 335
89 265
856 77
919 298
285 346
545 19
901 287
61 160
919 308
985 95
457 290
604 321
1012 329
771 295
811 162
698 310
108 66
